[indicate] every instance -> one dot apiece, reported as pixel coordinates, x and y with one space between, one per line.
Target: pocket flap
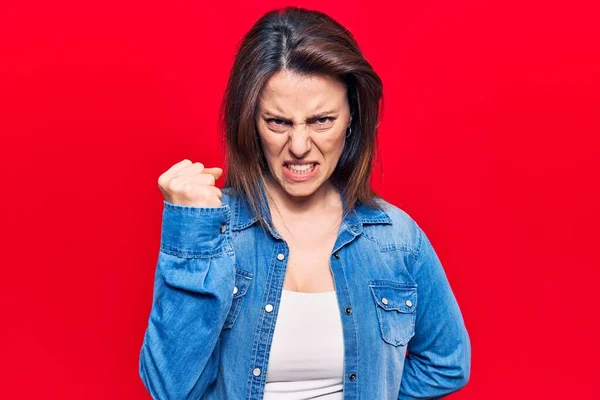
399 298
242 282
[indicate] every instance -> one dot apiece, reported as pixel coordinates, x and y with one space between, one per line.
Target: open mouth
300 169
301 172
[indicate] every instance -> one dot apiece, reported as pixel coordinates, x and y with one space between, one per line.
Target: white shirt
307 353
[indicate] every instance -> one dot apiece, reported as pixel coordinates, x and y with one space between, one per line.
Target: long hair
306 42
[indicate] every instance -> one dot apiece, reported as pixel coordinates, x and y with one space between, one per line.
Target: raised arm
439 359
193 289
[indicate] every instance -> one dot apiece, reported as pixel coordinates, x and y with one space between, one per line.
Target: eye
276 122
324 120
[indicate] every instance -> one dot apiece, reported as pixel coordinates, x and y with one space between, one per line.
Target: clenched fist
190 184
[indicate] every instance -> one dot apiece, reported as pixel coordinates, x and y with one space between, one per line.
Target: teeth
302 167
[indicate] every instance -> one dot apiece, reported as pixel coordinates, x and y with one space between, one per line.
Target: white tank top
307 353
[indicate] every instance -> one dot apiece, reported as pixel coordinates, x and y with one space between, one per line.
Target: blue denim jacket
217 289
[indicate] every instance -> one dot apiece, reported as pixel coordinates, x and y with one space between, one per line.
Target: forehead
292 90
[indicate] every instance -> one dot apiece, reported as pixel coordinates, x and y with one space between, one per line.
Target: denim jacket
217 289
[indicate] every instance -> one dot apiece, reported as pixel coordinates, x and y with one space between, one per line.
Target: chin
300 192
300 189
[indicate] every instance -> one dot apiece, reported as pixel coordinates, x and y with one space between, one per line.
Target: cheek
332 147
272 145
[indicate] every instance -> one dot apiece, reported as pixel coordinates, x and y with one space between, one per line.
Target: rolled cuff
189 231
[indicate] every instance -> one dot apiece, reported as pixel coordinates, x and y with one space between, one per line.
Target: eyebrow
314 116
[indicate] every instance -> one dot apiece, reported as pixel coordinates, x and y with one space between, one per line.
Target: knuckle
175 185
188 189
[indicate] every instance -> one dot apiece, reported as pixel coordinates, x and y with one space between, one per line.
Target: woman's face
302 122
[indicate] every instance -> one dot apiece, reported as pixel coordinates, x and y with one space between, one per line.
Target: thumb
215 171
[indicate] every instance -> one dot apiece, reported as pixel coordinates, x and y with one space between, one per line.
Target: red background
488 139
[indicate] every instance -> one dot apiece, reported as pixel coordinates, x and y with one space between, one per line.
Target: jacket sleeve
439 358
193 290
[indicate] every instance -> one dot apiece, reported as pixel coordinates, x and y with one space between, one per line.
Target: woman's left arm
439 359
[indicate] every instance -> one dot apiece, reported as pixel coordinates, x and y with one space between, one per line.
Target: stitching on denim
411 295
386 336
420 246
200 211
392 284
353 319
406 249
382 330
237 225
382 247
236 305
233 312
279 278
242 283
233 235
244 273
196 210
177 252
376 221
236 215
257 340
371 237
389 247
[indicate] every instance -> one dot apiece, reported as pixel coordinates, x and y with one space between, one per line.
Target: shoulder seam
420 245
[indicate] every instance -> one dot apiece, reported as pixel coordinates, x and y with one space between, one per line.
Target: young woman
296 281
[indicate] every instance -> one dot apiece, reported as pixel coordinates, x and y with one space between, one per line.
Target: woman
296 281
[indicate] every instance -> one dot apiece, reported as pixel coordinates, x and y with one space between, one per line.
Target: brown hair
306 42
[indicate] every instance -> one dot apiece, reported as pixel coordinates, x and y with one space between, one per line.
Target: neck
323 198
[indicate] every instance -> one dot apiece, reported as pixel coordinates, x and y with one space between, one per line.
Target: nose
300 141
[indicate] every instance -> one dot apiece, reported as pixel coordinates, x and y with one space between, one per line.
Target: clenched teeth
301 167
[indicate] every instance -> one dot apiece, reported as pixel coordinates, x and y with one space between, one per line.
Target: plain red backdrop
488 139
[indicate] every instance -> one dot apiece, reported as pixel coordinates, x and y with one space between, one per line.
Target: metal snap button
348 310
336 255
384 300
280 256
235 290
256 372
269 308
352 377
408 303
223 228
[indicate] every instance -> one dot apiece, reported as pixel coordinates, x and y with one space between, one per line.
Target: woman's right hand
190 184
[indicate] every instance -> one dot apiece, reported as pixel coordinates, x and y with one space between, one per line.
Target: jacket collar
244 216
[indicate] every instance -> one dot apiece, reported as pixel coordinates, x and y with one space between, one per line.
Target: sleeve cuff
194 231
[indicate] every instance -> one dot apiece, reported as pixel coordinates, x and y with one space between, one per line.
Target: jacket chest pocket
396 303
242 283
